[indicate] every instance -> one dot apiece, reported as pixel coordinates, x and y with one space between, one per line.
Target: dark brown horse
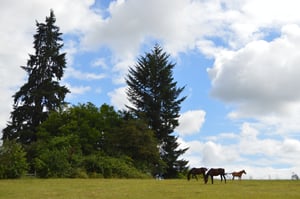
196 171
215 172
238 174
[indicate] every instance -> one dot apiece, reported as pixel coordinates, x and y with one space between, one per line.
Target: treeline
47 137
86 141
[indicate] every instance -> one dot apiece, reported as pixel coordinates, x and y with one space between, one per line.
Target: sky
239 61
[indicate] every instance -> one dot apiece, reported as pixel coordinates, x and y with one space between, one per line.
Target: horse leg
212 179
196 177
224 178
232 177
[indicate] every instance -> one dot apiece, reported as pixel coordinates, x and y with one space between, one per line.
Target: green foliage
53 163
98 141
155 98
138 142
13 160
79 173
112 167
54 158
175 166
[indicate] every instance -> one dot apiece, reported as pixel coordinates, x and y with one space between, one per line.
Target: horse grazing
196 171
215 172
238 174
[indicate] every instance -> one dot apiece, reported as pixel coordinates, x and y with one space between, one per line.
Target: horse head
206 178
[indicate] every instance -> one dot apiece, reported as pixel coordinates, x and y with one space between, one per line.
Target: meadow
146 189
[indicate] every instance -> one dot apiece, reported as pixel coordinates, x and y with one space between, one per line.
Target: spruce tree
42 92
155 98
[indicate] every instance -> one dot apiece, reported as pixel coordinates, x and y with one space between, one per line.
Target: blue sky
238 59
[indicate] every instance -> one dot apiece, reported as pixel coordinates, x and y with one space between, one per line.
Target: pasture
146 189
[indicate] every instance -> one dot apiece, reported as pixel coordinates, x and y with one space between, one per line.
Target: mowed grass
146 189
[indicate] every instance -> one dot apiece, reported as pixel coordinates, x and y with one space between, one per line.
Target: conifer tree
42 92
155 98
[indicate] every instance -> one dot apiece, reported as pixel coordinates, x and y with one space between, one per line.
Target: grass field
146 189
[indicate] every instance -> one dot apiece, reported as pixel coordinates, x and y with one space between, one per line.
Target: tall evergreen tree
42 92
155 98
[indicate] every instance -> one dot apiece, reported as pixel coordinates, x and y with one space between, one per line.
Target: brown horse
196 171
215 172
238 174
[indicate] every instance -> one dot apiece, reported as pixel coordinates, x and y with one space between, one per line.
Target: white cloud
190 122
261 81
120 69
70 48
118 98
222 136
100 62
179 28
217 155
262 77
262 158
194 153
73 73
77 90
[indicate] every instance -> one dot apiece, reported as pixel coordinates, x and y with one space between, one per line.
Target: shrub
112 167
13 160
53 163
79 173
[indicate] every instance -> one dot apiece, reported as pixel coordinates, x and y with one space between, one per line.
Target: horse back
215 172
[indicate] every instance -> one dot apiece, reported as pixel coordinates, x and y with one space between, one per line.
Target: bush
57 158
79 173
111 167
53 163
13 160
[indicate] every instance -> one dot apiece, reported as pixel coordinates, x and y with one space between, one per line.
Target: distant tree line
49 138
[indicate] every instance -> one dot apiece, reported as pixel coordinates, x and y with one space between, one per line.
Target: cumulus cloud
100 62
260 81
119 98
262 77
190 122
77 90
187 21
217 155
262 158
73 73
120 69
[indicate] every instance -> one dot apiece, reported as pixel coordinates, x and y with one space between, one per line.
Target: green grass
146 189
